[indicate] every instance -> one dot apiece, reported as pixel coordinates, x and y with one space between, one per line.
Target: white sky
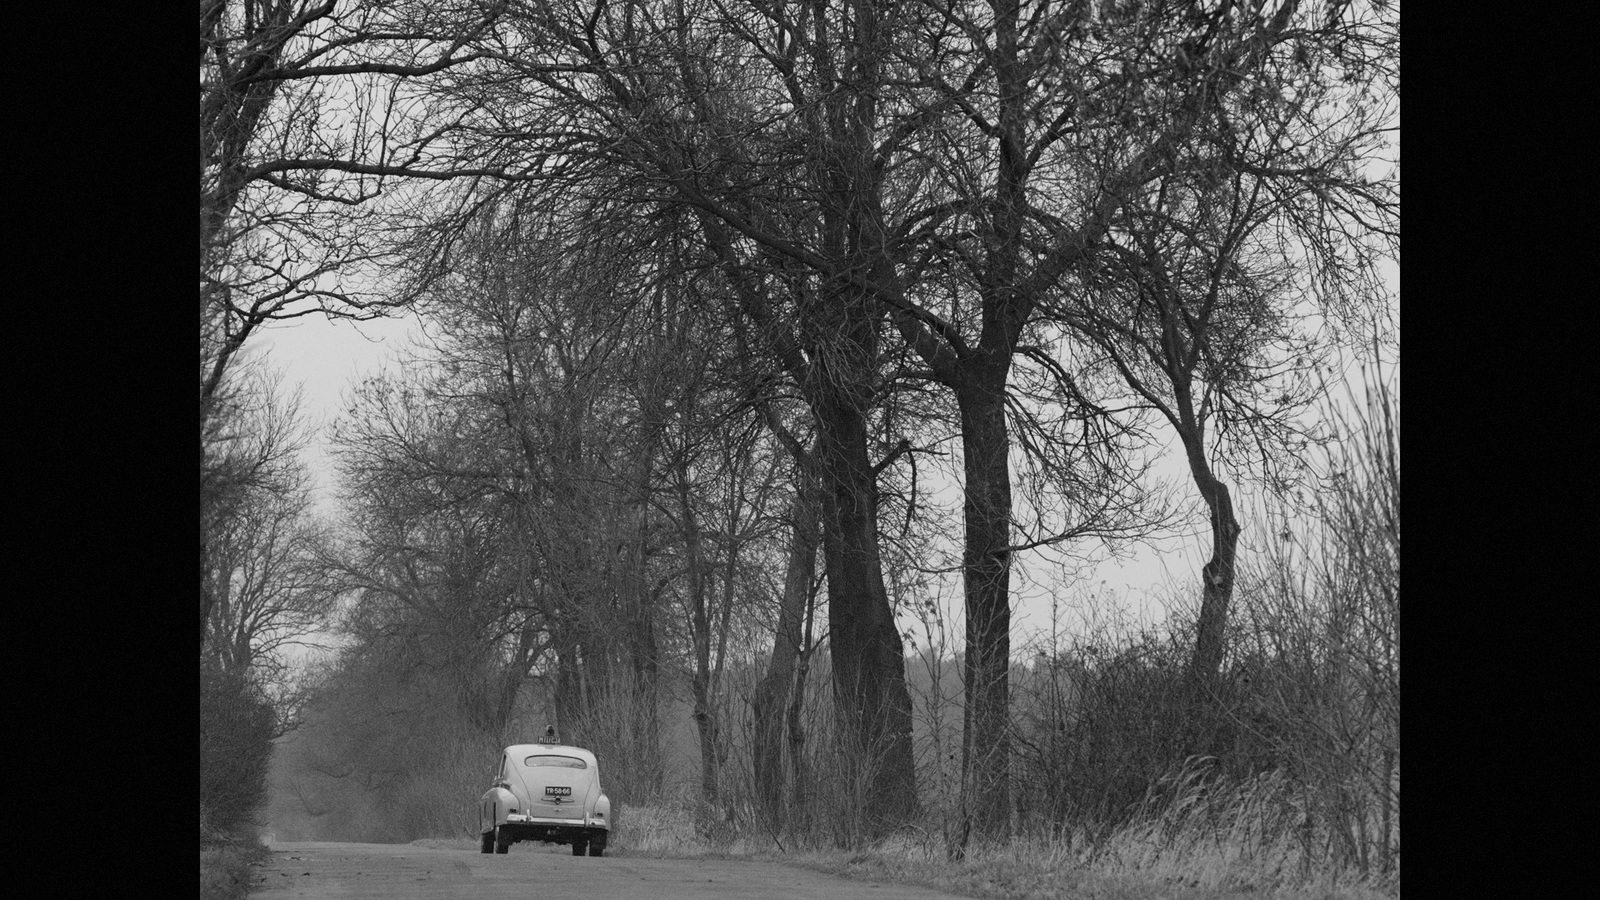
326 358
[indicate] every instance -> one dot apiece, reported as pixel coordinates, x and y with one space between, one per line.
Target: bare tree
436 535
1271 212
1002 199
263 571
300 127
633 88
779 696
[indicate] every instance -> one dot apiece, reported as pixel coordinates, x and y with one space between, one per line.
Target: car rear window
561 762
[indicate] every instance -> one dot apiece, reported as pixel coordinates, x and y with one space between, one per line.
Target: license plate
558 792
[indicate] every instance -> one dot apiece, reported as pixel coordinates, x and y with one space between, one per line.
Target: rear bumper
554 831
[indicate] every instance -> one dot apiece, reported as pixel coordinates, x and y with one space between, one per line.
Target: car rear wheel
577 849
597 850
486 842
502 839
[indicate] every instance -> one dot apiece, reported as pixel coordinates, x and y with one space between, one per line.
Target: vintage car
546 792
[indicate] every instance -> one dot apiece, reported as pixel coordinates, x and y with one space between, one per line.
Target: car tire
597 850
502 839
486 842
578 849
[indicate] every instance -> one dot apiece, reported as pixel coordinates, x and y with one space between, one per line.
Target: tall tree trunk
980 390
639 621
979 382
700 634
986 783
644 665
773 694
869 678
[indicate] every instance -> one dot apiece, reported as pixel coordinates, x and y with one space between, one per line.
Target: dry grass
659 831
1199 848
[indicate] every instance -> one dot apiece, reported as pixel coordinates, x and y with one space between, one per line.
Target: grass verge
1135 864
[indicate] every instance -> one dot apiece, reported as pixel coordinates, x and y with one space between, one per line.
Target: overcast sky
328 358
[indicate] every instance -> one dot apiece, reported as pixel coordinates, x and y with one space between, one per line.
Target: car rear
561 789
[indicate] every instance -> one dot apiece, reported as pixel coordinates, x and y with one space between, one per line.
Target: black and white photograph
767 449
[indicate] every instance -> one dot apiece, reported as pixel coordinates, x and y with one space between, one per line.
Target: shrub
236 731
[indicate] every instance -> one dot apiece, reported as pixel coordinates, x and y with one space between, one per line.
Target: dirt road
403 871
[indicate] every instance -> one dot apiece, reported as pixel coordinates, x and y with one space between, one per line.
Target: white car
546 792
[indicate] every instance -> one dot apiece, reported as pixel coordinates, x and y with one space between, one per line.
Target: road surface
401 871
